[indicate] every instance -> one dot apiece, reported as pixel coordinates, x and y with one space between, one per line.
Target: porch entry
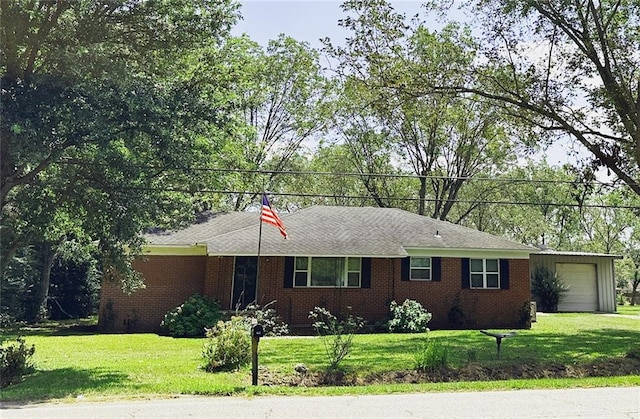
244 282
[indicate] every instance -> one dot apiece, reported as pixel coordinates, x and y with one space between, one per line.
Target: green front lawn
629 310
93 366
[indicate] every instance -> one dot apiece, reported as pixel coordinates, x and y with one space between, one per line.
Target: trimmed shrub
15 361
548 288
228 345
192 317
408 317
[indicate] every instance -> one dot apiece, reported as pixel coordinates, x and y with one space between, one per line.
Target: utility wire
390 198
351 174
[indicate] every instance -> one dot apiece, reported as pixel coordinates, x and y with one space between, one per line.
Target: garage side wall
604 274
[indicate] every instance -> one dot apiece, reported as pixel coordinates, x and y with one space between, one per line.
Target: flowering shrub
267 317
192 317
408 317
228 345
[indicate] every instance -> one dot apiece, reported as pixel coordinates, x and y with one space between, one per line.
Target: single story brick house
343 258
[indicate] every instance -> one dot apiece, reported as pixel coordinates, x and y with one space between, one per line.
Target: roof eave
478 253
175 249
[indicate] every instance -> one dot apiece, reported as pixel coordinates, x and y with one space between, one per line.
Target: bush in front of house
336 334
191 318
408 317
267 317
547 288
15 361
228 345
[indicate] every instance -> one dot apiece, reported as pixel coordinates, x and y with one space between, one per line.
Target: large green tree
566 67
100 125
539 204
445 140
280 103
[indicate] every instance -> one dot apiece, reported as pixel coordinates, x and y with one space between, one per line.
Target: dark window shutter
466 273
436 269
288 271
365 274
405 270
504 274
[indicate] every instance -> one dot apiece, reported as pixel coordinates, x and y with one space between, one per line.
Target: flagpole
259 246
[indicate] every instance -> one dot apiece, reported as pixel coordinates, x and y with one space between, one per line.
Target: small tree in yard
336 335
548 288
634 286
634 255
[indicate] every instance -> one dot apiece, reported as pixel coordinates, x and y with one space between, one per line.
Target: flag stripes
269 216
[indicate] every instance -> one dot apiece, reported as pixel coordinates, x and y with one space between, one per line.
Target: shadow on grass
58 330
60 383
528 345
397 352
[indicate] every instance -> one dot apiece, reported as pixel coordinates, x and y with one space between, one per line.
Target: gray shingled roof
337 231
207 226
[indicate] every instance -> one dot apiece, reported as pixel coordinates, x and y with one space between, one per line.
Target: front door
244 282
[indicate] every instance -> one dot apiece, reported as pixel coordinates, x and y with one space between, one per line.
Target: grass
629 310
73 364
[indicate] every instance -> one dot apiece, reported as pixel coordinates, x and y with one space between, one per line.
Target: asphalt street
600 403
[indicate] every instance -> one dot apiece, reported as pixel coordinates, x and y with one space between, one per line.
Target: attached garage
583 286
590 277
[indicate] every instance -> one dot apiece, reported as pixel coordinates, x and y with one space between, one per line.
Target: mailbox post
257 331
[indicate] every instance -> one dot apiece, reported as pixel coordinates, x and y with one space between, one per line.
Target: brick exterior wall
171 280
218 282
481 308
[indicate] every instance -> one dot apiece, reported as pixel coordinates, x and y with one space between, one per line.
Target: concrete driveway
596 403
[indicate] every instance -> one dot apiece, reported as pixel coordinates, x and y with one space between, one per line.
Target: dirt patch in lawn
471 372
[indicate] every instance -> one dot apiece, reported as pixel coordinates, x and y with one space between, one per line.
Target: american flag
269 216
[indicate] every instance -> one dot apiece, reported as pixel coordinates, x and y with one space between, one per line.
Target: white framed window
485 273
327 272
420 269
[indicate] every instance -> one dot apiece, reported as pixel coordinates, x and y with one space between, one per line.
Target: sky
303 20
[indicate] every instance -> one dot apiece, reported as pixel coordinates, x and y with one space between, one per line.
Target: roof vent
437 235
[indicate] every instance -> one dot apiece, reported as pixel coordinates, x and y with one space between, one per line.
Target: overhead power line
389 198
353 174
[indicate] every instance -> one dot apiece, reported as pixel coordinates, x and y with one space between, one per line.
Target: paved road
596 403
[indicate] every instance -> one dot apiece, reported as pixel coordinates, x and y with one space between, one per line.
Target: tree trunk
422 194
41 294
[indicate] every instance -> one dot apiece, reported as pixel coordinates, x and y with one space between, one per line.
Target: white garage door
583 287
